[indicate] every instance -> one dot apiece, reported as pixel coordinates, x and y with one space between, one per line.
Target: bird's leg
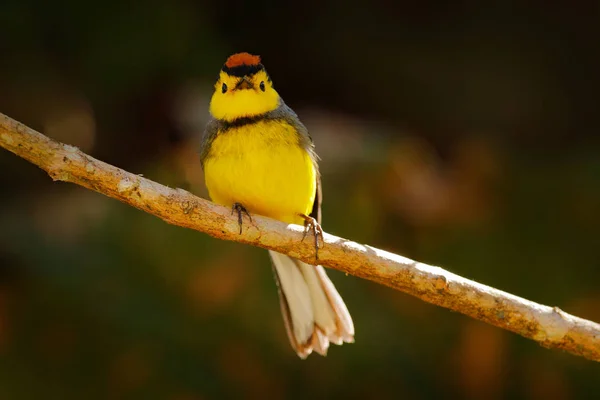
311 225
240 209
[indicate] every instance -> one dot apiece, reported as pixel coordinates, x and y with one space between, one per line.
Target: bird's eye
262 86
224 88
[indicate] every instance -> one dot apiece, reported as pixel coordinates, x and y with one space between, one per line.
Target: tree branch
549 326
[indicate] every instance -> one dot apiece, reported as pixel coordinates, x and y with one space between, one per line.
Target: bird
258 158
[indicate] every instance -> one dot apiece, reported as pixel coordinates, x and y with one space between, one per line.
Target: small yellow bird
259 158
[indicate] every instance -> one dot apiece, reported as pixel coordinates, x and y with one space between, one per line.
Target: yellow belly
262 167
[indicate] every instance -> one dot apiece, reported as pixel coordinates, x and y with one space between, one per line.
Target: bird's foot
311 225
241 210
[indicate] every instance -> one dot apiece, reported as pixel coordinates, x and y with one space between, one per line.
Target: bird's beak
244 83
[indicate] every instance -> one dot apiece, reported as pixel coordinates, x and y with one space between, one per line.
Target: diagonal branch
549 326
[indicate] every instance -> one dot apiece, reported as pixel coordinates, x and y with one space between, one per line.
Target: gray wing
210 133
283 111
316 210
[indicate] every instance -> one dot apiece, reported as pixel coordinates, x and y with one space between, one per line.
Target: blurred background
463 135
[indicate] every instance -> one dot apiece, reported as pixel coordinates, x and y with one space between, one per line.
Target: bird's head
243 89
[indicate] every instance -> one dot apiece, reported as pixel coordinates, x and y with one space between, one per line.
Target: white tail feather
313 310
297 294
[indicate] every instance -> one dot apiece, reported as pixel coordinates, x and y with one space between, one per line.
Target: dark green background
463 135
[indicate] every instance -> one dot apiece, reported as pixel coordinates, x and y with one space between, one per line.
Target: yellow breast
262 167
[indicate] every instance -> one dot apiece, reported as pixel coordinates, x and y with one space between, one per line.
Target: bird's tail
313 311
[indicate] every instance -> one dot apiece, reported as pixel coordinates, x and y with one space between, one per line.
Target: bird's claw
311 225
240 209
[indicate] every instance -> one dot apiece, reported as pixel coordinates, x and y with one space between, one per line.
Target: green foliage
493 175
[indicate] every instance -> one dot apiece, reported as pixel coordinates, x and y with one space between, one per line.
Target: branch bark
549 326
